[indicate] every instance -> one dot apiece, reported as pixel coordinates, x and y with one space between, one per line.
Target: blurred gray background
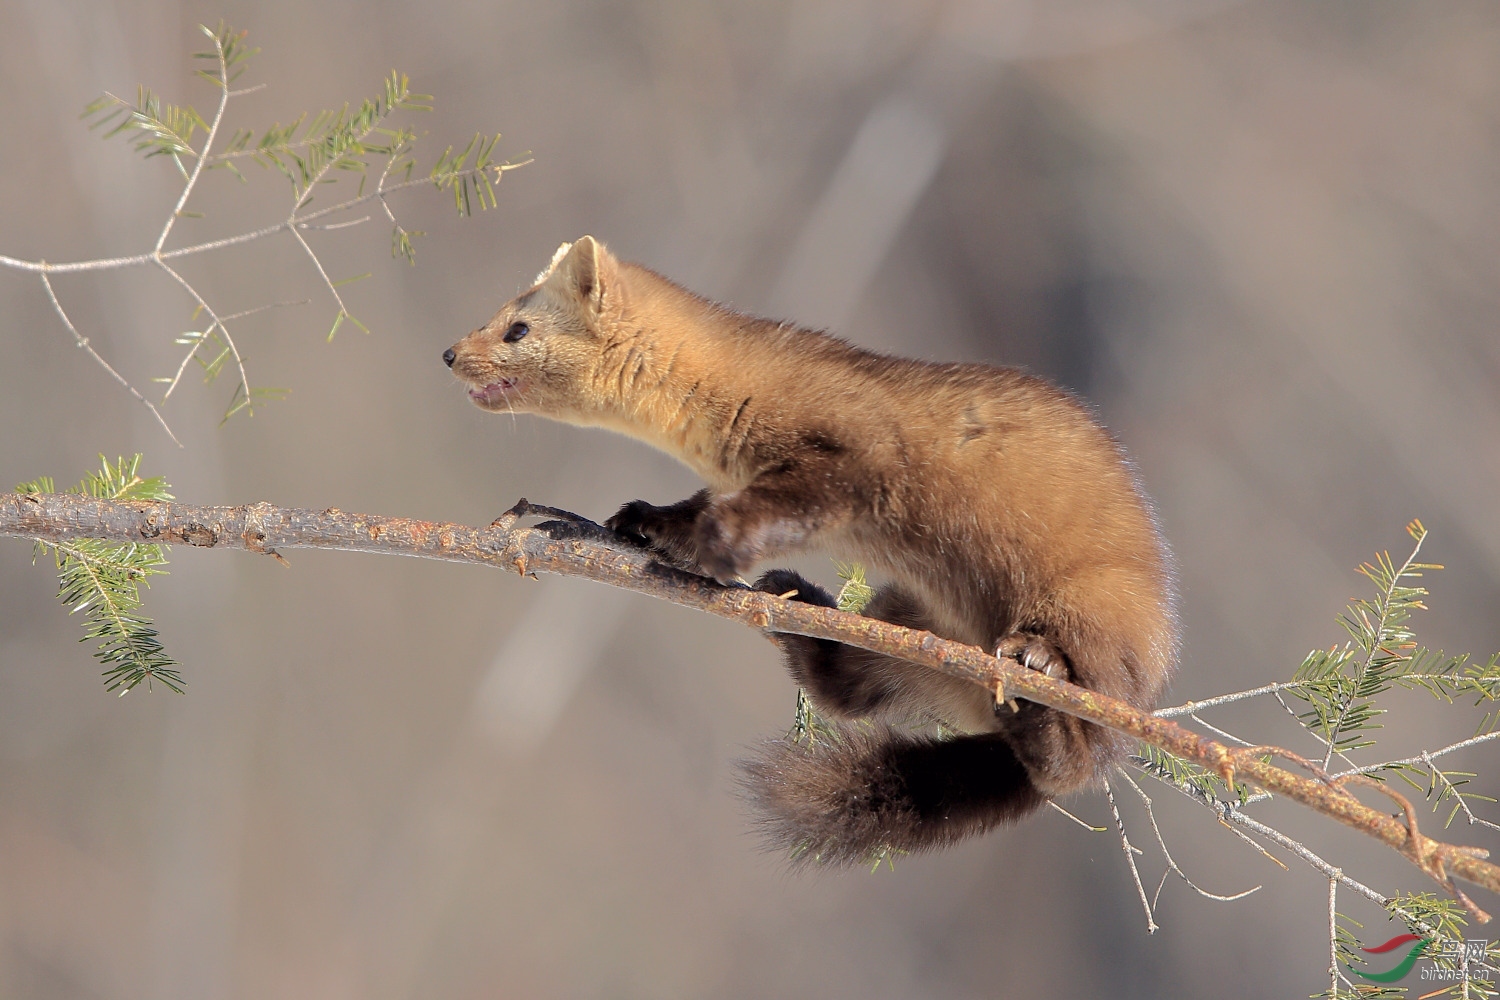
1261 238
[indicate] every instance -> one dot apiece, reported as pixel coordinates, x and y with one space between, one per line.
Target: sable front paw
667 531
635 521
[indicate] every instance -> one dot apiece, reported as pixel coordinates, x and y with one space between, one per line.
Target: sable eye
516 332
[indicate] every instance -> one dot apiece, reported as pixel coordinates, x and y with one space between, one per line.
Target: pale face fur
612 345
547 369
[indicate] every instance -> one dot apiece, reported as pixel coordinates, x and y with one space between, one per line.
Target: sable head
540 351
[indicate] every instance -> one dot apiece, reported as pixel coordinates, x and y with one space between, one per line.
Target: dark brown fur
999 510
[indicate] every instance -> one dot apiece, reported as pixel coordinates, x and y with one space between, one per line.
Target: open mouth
495 391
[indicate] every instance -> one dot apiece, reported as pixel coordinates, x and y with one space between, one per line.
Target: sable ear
585 272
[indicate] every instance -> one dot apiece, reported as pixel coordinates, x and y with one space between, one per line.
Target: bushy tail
848 798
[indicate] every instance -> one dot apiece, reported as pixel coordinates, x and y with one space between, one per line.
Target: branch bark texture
573 546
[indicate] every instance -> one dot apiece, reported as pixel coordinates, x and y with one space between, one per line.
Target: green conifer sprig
1453 677
159 128
1439 919
1175 770
309 149
229 44
314 149
1340 685
243 400
337 139
471 183
103 580
1347 946
856 592
1443 919
156 128
1437 786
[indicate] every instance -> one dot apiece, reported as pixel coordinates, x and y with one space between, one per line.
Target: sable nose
448 357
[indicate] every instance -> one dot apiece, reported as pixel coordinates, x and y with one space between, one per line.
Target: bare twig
262 308
1172 865
332 288
1259 847
1189 707
1229 813
1215 729
1423 756
216 322
1333 936
580 548
334 225
83 343
1086 825
1130 852
160 256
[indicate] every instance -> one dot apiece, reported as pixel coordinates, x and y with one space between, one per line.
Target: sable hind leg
1061 752
846 682
1102 629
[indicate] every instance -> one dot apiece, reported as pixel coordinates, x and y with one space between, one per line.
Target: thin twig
1229 813
1087 826
83 342
1187 708
334 225
1215 729
262 308
1172 865
134 260
208 141
1419 758
1259 847
343 309
216 322
1130 852
1333 936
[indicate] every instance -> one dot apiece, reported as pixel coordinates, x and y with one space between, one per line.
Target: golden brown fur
1000 511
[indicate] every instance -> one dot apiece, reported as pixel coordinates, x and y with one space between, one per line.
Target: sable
999 511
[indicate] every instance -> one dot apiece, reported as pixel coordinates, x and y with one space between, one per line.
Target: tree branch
302 222
578 547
